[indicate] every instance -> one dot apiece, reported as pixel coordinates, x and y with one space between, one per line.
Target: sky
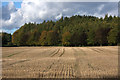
16 4
16 14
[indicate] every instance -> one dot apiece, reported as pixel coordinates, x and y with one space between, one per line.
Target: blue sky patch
17 4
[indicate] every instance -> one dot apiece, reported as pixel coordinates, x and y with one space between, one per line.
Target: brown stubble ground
60 62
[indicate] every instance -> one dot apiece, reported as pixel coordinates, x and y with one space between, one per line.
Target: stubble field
60 62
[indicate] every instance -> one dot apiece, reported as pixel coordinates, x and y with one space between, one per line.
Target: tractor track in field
13 63
96 50
105 51
18 62
16 53
62 52
54 53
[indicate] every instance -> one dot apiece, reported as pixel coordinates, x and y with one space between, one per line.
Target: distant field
60 62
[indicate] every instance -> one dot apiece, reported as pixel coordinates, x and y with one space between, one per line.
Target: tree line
73 31
5 39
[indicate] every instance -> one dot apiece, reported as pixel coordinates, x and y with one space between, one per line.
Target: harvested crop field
60 62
